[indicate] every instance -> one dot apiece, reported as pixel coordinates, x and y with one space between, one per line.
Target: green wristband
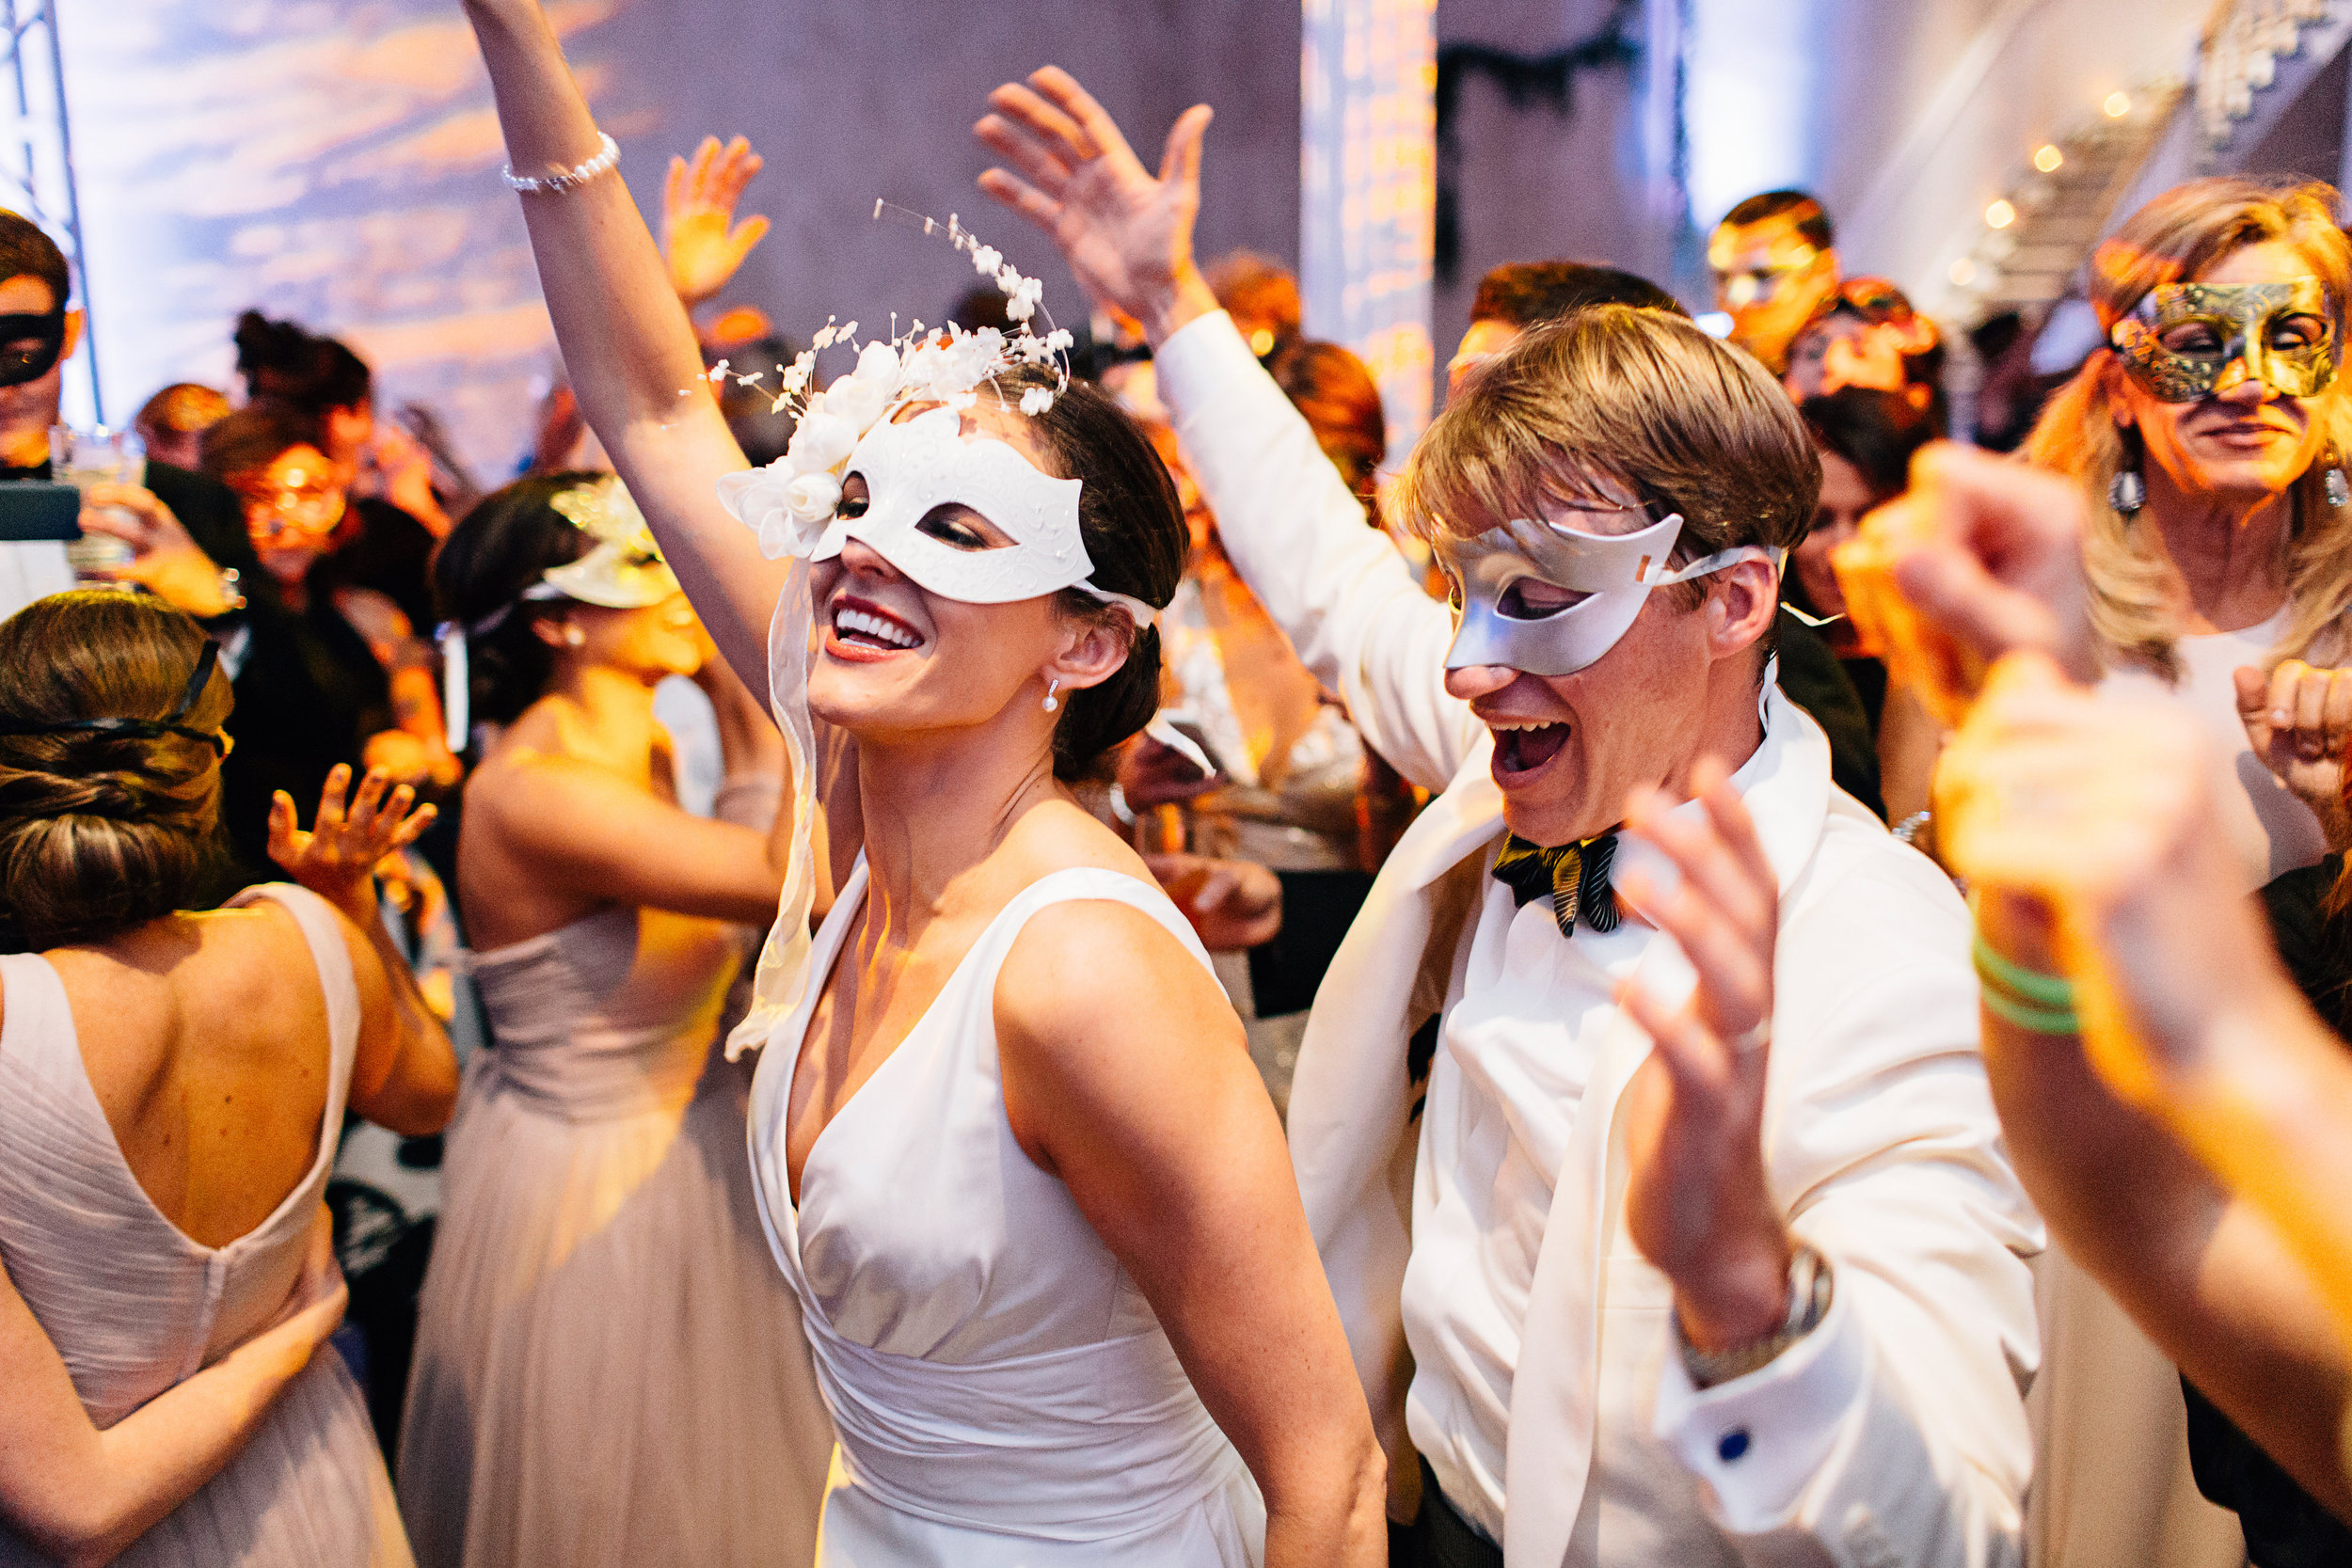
2051 991
2040 1020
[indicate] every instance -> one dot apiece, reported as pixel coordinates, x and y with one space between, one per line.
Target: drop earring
574 637
2127 492
1051 702
2339 490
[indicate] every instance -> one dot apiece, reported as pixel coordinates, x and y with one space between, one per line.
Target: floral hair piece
794 496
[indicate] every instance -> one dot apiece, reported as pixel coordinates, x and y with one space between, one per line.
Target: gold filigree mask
2181 339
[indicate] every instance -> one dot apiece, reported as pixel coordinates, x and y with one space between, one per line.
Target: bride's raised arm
627 341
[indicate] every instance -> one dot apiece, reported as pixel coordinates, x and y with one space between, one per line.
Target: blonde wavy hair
2176 238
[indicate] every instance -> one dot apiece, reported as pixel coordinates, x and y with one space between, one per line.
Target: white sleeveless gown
1002 1393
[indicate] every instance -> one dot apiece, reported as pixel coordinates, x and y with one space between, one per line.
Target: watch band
1811 1287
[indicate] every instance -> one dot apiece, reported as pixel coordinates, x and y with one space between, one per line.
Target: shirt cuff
1200 358
1757 1442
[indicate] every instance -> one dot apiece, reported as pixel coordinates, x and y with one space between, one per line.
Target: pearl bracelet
608 157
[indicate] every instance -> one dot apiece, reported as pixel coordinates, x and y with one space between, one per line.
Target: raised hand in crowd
1127 233
165 561
351 844
398 466
1233 905
2299 720
2181 1117
1978 558
700 239
2192 1146
1696 1200
348 845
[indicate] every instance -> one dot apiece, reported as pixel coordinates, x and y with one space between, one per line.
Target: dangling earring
2127 492
574 637
2338 489
1051 702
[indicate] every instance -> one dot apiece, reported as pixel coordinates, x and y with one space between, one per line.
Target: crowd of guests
1421 1014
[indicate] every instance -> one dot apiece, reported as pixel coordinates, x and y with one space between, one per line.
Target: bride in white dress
1009 1149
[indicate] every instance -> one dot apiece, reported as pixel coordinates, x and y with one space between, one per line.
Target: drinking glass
96 456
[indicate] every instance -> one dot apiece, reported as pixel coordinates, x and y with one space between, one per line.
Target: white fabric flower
985 259
788 510
878 363
810 499
823 440
1036 401
857 401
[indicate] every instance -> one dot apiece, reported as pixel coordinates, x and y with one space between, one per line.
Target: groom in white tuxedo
1757 1295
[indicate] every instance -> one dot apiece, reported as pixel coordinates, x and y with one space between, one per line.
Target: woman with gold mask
2210 439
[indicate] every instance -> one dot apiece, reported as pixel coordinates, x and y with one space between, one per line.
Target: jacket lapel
1350 1096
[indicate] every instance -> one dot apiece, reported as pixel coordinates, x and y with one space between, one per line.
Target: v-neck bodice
923 1229
990 1365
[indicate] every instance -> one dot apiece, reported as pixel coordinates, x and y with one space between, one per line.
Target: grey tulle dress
133 1307
609 1369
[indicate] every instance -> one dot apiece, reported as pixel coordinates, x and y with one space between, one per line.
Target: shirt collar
1784 784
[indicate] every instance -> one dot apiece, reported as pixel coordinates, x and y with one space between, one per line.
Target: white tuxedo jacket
1896 1432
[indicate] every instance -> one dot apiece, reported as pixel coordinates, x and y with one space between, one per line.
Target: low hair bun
104 830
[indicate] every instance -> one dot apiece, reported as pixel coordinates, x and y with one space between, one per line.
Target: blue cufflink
1734 1444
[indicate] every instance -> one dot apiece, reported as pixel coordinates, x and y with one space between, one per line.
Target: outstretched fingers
1180 162
331 796
368 802
1097 134
1021 197
1021 115
285 827
1722 910
698 171
1038 160
732 170
1721 861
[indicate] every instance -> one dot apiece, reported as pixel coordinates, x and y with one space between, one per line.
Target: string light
2118 105
2000 215
2047 158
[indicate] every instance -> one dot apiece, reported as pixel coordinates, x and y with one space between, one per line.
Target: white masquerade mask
920 464
1614 573
623 570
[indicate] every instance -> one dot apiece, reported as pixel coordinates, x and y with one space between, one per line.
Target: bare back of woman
205 1040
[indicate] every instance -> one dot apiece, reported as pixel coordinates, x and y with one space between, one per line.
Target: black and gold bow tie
1574 876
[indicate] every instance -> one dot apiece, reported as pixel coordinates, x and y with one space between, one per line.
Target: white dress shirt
1895 1432
2275 832
1509 1074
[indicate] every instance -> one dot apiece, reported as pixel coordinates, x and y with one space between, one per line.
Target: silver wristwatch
1810 1285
